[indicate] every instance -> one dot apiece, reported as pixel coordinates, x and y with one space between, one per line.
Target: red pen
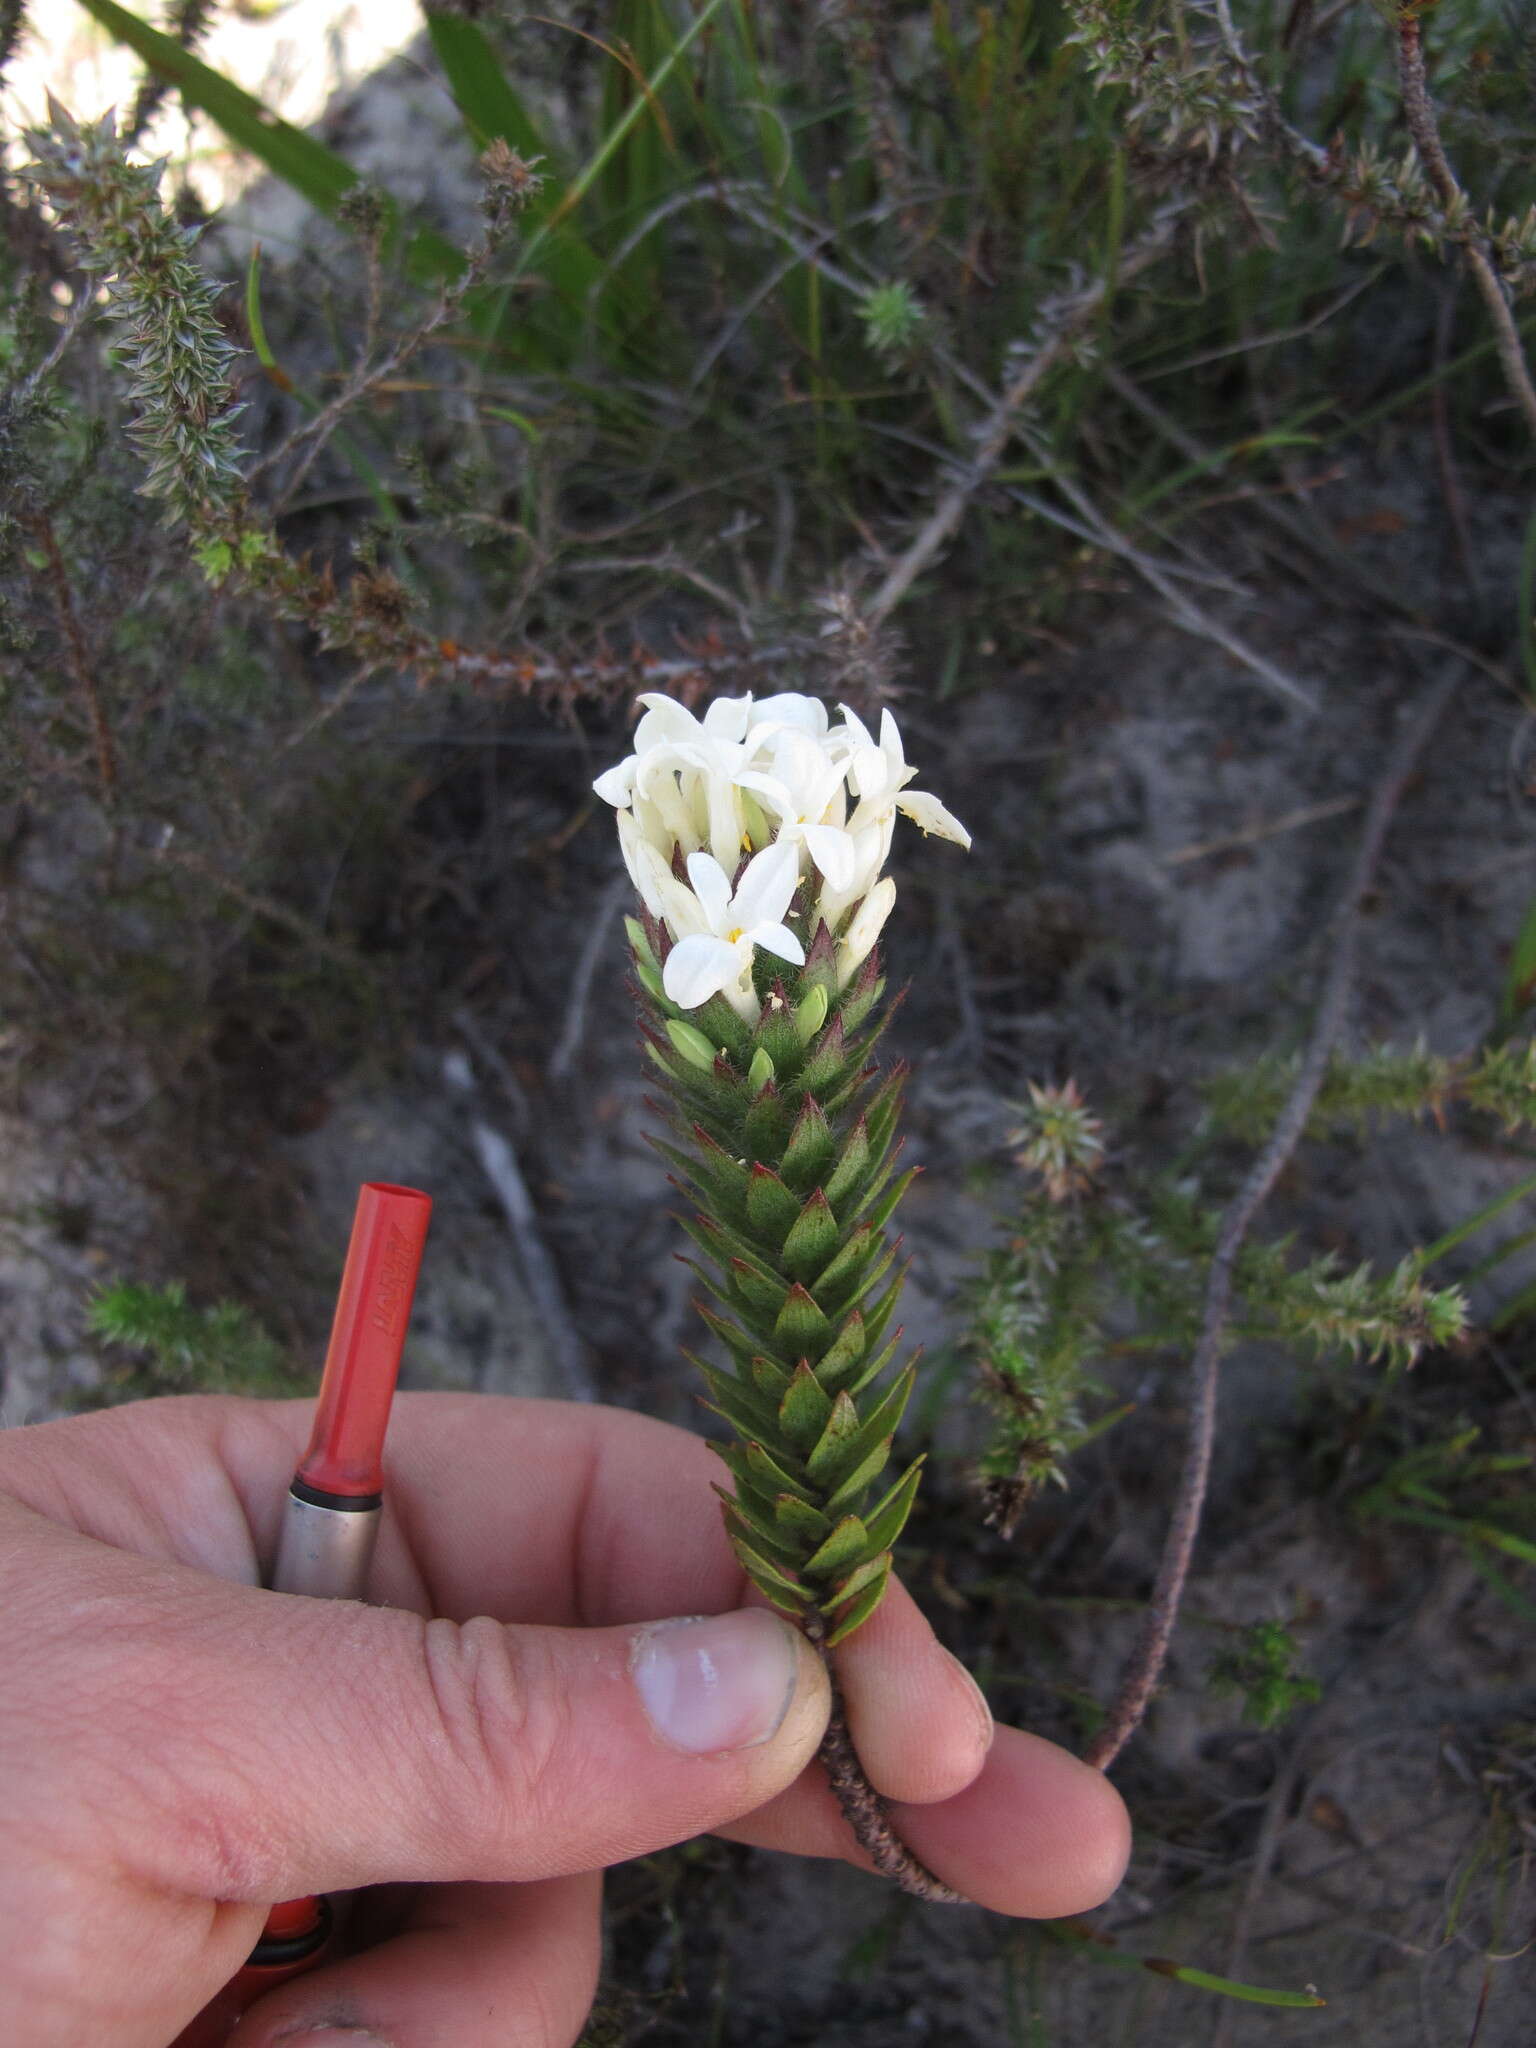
331 1519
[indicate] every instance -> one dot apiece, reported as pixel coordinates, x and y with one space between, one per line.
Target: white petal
833 852
927 812
725 821
698 968
664 720
712 886
728 717
871 844
647 869
859 733
774 793
616 785
868 921
763 894
870 772
778 938
656 779
890 740
789 707
682 910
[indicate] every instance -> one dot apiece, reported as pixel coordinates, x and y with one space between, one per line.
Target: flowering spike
756 832
756 835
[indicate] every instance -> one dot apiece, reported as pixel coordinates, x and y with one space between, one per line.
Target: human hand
178 1748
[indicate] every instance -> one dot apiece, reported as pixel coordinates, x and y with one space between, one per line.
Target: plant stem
1423 127
1061 326
863 1808
1151 1651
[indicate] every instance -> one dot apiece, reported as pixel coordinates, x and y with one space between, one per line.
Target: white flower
804 787
665 725
680 782
769 773
718 958
879 776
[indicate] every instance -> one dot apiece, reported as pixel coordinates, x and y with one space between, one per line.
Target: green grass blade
597 162
568 264
1078 1934
1520 1305
367 475
254 321
1502 1588
315 172
1520 976
1228 1987
492 110
1522 1191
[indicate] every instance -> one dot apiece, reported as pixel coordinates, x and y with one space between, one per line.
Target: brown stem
1065 323
77 655
863 1808
1419 112
1151 1650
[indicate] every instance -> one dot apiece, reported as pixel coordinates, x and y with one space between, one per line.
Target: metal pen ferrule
326 1544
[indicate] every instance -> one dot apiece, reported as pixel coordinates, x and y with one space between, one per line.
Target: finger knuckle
499 1711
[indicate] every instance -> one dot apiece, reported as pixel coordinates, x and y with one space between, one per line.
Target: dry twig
1151 1650
568 1044
541 1276
1065 322
1419 112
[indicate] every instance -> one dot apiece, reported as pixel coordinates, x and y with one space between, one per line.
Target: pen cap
345 1455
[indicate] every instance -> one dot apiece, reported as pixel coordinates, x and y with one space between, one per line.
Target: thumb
280 1745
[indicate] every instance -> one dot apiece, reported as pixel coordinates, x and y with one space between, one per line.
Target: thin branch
1266 828
1185 613
612 900
314 433
540 1274
1064 322
259 904
1307 532
1151 1650
1425 130
15 400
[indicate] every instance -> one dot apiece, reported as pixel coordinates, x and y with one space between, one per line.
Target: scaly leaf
811 1144
805 1409
811 1239
850 1452
828 1460
860 1611
771 1208
844 1547
801 1327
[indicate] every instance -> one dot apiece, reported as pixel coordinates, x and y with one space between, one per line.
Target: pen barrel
325 1545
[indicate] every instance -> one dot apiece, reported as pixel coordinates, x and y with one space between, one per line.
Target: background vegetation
1077 376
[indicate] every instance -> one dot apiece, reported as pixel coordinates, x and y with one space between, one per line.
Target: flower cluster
749 802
